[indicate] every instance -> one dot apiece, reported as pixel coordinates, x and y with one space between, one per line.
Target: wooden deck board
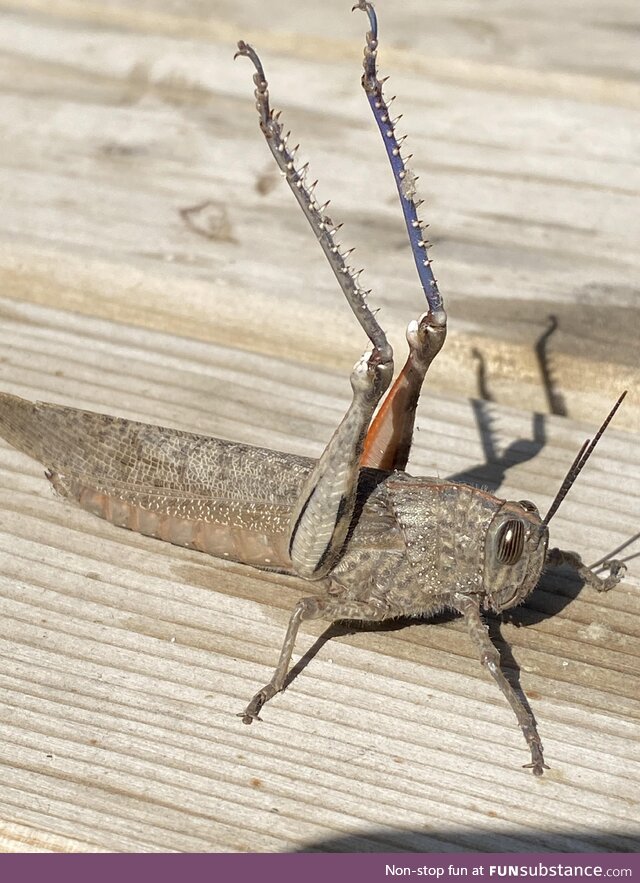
123 660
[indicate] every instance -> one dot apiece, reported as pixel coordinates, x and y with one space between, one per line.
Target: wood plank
124 660
530 175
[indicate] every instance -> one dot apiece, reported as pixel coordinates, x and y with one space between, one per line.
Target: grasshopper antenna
320 222
576 467
404 177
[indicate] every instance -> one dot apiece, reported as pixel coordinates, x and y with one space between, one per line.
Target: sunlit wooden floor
152 265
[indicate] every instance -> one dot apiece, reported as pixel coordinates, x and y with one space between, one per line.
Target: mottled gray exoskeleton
374 541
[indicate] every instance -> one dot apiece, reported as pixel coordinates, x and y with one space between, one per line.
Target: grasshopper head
515 549
517 538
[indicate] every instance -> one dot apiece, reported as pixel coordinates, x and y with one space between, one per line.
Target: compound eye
510 541
528 506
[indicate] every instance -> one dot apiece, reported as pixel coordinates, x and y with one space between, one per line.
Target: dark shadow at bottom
435 839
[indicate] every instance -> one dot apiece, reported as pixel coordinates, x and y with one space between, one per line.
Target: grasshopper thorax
462 540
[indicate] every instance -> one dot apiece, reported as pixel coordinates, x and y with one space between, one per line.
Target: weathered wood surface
124 660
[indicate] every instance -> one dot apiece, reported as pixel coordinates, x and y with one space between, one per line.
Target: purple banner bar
319 867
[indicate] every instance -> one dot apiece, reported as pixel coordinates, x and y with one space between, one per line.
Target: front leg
490 659
617 569
323 512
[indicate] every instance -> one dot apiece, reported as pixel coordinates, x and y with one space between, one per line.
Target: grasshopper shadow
491 473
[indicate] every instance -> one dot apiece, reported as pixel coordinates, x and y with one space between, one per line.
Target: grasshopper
374 541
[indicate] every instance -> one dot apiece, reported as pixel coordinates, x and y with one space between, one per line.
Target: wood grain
124 660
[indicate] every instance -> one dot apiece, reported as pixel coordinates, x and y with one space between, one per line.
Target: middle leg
330 609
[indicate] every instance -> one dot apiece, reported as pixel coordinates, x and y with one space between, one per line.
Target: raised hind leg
389 438
323 513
